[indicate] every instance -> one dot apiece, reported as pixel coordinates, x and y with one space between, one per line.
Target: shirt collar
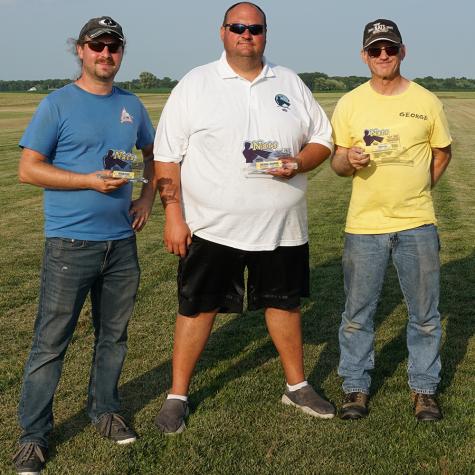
227 72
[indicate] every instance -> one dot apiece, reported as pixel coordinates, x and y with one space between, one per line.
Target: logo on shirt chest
282 101
126 117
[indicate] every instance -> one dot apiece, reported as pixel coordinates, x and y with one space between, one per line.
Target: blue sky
169 37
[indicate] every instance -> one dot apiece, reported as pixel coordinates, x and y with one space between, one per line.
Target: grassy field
237 424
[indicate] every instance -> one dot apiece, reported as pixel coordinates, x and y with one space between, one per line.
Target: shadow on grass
458 308
320 320
457 301
457 304
245 331
226 342
323 327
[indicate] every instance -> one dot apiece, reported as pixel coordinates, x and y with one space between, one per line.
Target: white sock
294 387
178 396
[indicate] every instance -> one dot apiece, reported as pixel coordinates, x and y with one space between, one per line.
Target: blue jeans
415 255
71 269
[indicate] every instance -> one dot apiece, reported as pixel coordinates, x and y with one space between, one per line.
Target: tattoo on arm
169 192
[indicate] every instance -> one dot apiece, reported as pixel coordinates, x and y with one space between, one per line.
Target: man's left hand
290 168
140 209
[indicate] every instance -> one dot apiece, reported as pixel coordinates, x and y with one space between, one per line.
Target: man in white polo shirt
223 122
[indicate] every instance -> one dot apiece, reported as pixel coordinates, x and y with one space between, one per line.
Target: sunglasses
375 51
98 46
240 28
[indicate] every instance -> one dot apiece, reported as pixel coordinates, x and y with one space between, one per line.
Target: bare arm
346 161
440 161
176 235
141 208
35 170
310 157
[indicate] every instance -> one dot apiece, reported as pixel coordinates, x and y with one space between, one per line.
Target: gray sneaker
113 427
30 458
171 418
307 400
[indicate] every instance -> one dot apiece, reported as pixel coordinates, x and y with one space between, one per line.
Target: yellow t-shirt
393 192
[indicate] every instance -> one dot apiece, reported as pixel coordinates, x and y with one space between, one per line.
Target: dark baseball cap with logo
103 25
381 30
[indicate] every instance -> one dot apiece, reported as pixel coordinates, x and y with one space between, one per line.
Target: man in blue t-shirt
79 138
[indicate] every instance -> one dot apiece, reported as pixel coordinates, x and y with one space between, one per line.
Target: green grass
237 424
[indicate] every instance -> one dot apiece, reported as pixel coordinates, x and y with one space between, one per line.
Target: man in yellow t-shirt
392 137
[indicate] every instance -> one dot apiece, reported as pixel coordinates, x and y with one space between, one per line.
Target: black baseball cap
101 26
381 30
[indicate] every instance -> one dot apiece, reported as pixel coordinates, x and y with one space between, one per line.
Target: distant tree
168 83
428 82
309 78
328 84
148 80
351 81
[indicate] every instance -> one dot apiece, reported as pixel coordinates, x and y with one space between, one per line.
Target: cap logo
380 28
107 22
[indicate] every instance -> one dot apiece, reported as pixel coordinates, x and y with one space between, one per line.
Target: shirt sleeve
42 133
341 129
320 128
146 132
171 138
440 134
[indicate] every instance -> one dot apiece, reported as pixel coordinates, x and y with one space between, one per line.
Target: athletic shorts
211 276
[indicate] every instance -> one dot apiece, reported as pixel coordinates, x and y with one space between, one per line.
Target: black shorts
211 276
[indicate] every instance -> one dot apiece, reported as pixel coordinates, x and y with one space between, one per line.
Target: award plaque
124 165
262 165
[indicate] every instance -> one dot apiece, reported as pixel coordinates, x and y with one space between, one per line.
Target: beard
105 74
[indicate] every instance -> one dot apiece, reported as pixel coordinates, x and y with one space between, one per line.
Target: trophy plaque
124 165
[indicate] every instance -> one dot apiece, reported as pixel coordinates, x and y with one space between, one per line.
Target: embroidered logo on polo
126 117
385 147
282 101
259 150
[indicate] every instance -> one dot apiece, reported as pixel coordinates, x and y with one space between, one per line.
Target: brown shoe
355 406
426 407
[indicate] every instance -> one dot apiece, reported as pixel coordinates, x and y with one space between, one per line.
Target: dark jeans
109 270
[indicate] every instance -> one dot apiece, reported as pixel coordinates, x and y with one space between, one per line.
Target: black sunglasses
99 46
375 51
240 28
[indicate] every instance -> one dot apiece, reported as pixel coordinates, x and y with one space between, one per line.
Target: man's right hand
177 236
103 182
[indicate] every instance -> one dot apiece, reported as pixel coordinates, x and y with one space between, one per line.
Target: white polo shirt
215 123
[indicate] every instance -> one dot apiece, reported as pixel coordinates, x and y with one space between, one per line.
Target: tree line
316 82
322 82
146 81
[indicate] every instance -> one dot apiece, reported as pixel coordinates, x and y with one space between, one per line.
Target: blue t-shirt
76 130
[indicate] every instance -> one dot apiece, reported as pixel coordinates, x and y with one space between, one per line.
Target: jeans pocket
65 243
56 246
